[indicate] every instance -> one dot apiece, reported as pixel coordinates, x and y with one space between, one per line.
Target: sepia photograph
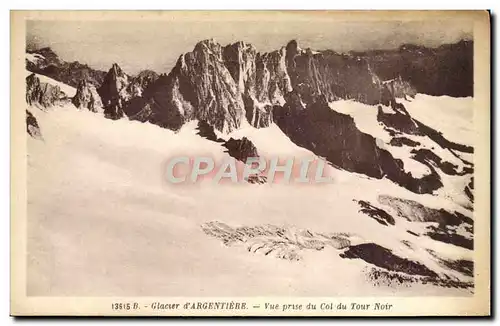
202 163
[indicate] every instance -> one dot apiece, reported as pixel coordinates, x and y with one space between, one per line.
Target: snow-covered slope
453 116
102 219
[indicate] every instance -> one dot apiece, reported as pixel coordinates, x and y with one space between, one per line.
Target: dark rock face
446 70
398 120
334 136
400 141
162 104
32 126
376 213
70 73
311 126
384 258
43 94
87 97
241 149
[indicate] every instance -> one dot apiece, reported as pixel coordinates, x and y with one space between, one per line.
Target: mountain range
226 86
357 110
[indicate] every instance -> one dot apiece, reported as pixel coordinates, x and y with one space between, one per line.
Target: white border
185 4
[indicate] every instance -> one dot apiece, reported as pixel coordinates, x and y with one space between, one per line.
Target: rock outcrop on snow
270 240
378 214
241 149
87 97
32 126
384 258
43 94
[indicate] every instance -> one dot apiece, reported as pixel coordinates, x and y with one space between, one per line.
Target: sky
144 44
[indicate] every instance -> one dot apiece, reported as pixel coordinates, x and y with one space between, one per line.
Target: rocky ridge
227 86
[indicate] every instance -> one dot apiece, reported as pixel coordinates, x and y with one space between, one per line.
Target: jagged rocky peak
262 80
115 74
209 46
214 94
87 97
292 48
114 92
43 94
272 79
199 87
